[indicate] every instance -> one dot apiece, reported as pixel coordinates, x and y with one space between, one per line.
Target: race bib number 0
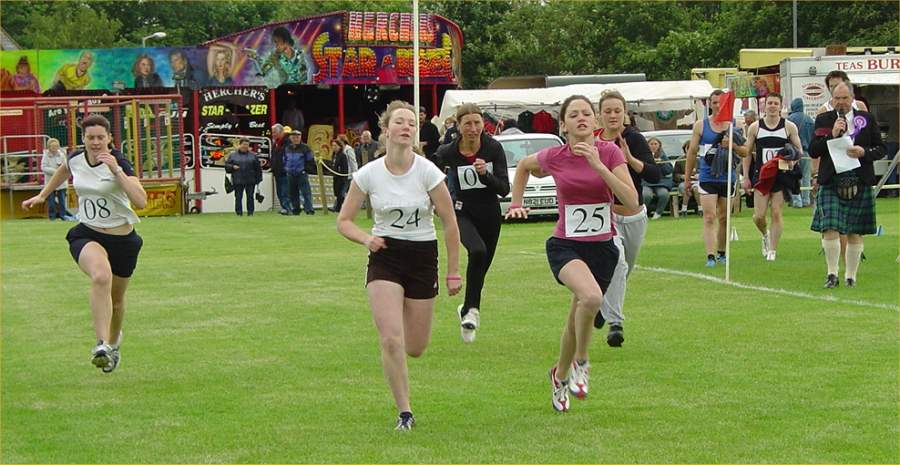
468 177
588 220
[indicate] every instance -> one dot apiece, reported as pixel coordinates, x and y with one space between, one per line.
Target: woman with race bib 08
404 190
582 256
104 243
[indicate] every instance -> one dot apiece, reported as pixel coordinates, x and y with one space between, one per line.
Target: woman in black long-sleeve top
631 224
477 177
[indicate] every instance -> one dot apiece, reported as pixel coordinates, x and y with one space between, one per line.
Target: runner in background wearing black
477 177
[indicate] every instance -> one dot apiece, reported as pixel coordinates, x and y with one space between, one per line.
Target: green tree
68 25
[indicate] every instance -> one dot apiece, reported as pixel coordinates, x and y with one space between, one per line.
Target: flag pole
728 204
416 104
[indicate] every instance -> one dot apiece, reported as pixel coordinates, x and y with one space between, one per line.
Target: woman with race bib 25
589 174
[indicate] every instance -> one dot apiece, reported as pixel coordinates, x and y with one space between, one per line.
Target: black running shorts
411 264
122 250
600 257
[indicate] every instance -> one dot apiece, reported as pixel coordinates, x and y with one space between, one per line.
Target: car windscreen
517 149
672 144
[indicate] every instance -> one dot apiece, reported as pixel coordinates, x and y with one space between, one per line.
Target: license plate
539 202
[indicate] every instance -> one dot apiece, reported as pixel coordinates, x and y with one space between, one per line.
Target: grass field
249 340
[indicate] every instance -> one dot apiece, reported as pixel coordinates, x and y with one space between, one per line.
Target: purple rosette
859 122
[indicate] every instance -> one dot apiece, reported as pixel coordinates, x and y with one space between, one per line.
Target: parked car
540 193
671 139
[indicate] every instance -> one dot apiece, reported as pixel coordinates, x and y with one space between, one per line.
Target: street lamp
155 35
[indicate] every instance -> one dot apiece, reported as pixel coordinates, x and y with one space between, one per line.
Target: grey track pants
630 235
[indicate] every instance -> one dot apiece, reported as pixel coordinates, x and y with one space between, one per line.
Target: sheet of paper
837 148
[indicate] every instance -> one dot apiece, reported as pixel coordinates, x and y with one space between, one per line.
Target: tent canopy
644 96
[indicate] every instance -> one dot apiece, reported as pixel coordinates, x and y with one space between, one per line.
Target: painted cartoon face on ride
402 127
471 126
222 63
144 66
176 61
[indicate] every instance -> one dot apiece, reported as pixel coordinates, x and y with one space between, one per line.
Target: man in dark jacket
296 156
246 173
429 137
806 126
845 204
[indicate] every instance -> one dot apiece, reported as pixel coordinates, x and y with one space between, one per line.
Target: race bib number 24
588 220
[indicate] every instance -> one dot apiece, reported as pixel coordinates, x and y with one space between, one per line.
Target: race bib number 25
588 220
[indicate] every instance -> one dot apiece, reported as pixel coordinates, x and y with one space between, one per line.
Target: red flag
726 108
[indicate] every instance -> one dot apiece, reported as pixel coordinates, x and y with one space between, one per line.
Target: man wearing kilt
845 204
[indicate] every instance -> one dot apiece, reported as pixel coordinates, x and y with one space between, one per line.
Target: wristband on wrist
514 205
454 277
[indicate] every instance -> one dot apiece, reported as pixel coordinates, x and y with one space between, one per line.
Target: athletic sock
832 249
851 260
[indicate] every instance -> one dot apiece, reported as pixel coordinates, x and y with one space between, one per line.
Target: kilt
833 213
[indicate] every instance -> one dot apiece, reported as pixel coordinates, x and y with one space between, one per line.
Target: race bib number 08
588 220
92 208
468 177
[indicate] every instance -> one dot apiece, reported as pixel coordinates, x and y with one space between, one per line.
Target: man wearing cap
296 156
429 137
281 180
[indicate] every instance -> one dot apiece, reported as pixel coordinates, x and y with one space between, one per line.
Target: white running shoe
770 257
655 216
578 380
765 245
560 392
469 323
100 356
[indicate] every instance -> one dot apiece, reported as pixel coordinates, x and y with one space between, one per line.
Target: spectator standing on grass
806 129
54 157
246 173
402 278
104 243
297 157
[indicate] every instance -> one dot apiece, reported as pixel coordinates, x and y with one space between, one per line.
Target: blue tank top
707 137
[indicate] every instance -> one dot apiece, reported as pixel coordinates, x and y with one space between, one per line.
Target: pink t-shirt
584 199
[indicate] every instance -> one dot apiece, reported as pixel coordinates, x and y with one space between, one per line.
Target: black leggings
479 235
